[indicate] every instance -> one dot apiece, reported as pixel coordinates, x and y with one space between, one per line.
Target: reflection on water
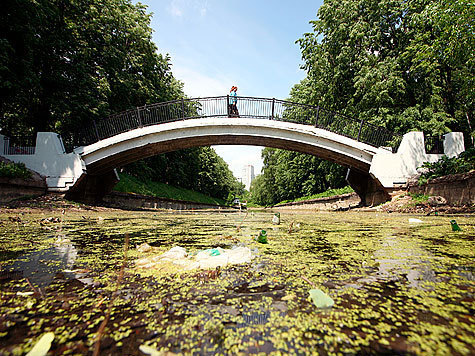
41 266
398 256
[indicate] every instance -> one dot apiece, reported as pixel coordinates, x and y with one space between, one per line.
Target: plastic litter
206 259
415 221
262 238
455 226
276 219
320 298
148 350
42 346
145 247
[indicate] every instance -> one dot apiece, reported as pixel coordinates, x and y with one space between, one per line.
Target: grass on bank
130 184
325 194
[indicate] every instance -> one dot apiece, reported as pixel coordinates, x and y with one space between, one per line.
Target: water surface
398 287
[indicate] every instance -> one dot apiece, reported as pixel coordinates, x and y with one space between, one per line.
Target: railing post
227 105
138 117
273 104
359 132
182 109
96 130
316 119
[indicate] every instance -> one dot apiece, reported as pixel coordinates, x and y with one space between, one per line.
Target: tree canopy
65 63
403 64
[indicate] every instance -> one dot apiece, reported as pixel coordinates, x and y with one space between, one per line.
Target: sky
215 44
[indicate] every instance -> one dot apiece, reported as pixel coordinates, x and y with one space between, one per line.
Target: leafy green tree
393 62
403 64
198 168
288 175
64 63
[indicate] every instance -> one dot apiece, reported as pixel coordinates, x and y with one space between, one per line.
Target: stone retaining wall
137 201
457 189
336 202
16 188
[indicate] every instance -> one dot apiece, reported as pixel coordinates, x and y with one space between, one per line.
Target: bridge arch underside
126 148
152 149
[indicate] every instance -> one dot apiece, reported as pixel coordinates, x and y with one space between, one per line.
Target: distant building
248 175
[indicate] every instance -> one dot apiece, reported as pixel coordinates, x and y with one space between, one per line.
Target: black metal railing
16 145
248 107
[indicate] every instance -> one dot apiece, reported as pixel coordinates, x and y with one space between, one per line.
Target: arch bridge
153 129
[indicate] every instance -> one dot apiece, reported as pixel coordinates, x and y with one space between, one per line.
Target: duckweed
397 287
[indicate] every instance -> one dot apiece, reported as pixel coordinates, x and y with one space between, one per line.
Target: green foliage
14 170
465 162
325 194
64 63
418 198
405 65
199 169
130 184
289 175
408 65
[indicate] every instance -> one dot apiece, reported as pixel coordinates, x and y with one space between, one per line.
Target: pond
399 284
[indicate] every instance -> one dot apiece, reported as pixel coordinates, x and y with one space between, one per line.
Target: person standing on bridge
233 111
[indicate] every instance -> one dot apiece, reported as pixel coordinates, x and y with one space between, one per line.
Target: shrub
465 162
14 170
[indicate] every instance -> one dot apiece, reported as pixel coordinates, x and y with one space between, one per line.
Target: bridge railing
248 107
16 145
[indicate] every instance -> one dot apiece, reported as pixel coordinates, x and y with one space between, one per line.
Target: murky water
398 287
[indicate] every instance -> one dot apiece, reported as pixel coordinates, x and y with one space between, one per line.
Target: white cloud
200 85
176 8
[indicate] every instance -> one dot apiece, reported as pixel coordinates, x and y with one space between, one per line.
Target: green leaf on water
42 346
320 298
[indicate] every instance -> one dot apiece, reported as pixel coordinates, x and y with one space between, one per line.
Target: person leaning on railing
233 111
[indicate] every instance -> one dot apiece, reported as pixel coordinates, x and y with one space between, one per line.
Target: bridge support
369 189
91 189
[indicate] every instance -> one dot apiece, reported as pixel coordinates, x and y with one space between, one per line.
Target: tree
198 168
64 63
403 64
384 61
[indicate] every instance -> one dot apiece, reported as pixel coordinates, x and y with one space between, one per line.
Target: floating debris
455 226
206 259
320 298
262 238
42 346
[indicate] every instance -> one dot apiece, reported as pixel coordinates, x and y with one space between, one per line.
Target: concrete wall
337 202
137 201
393 169
457 189
61 169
